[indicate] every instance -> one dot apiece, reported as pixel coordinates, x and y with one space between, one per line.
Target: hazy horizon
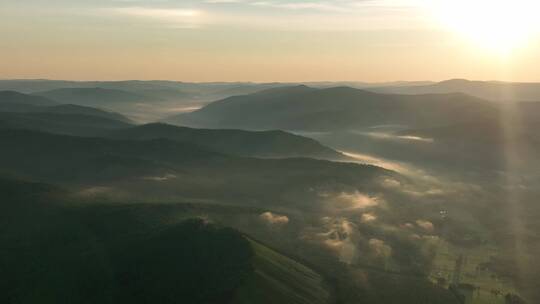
414 81
269 41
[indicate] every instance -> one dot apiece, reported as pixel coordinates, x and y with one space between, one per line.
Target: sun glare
499 26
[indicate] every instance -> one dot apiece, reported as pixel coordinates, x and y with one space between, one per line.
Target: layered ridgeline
144 101
60 252
490 90
131 104
236 142
22 103
22 111
341 108
154 89
168 168
38 113
19 111
95 97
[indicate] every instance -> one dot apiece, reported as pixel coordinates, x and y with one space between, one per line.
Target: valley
309 195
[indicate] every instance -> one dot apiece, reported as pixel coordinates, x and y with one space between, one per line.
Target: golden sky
270 40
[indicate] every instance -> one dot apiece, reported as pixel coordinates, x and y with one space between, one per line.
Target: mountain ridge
338 108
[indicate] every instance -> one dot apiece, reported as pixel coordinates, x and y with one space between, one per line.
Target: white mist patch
368 218
354 200
336 234
274 219
426 185
376 161
407 226
163 178
391 183
339 239
416 138
426 225
394 137
185 109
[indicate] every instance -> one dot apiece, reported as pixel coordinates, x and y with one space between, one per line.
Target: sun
499 26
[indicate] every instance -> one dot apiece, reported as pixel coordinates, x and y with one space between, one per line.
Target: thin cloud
343 6
157 12
170 17
321 6
274 219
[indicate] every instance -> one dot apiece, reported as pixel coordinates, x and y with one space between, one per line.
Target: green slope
58 251
279 279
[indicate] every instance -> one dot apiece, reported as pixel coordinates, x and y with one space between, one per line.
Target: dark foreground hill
55 251
341 108
56 157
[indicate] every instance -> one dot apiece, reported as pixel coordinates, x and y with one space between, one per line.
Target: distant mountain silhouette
490 90
153 90
95 97
305 108
23 103
25 111
12 97
144 101
60 123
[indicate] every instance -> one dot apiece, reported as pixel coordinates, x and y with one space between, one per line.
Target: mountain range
341 108
489 90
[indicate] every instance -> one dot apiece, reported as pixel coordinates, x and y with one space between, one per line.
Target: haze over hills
269 152
86 121
96 97
13 97
305 108
60 123
307 223
489 90
22 103
37 113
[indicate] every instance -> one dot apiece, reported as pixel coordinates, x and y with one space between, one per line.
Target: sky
270 40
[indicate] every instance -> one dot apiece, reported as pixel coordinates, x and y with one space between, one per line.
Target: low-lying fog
487 209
